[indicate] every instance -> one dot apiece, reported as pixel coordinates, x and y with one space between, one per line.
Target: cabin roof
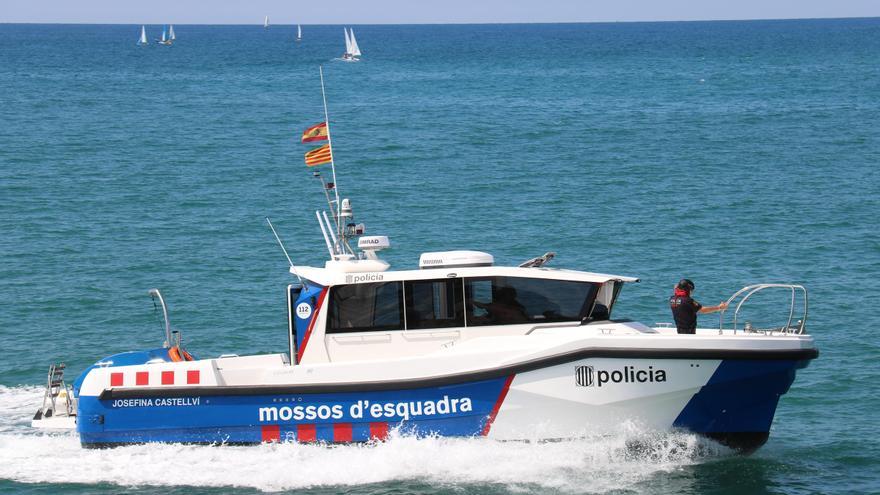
328 277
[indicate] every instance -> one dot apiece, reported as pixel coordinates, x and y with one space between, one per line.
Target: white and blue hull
728 395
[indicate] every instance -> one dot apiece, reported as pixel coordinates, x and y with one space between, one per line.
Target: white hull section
442 354
547 404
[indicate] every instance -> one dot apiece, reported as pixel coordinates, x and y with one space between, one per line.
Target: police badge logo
583 376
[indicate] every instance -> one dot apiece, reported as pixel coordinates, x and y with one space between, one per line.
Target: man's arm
712 309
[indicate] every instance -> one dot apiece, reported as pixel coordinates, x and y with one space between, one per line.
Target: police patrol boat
456 346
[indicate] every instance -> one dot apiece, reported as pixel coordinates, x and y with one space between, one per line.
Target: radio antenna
281 245
337 210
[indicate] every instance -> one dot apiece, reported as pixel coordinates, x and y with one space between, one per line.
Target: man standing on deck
685 309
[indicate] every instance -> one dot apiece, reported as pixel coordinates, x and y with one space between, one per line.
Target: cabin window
513 300
605 299
434 303
366 307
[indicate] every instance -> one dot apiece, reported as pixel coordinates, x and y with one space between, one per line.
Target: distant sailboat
299 33
351 49
266 23
355 50
164 40
143 40
171 33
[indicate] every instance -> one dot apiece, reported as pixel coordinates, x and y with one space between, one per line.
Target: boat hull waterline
576 398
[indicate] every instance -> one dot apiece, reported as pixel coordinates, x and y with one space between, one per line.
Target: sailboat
266 23
171 33
352 52
355 50
143 38
299 33
164 40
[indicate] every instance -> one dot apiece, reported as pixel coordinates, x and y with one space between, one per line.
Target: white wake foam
17 406
608 463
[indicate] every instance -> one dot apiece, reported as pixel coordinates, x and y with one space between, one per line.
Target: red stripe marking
271 433
302 348
142 378
342 432
379 431
495 409
192 377
306 433
115 379
167 378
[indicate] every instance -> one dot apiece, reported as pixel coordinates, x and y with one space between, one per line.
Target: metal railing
747 292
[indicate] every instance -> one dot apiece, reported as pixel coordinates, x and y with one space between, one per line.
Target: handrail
750 290
154 293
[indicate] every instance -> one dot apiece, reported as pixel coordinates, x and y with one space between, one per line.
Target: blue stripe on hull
457 410
740 397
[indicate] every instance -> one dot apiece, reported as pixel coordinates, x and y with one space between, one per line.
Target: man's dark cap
686 284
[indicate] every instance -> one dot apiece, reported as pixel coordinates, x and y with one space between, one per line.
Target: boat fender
177 355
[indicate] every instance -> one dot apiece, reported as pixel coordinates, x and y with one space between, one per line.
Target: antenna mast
281 244
337 209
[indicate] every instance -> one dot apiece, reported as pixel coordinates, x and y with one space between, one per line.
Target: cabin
341 313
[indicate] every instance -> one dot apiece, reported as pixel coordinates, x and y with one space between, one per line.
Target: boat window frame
466 312
586 306
458 302
615 287
331 304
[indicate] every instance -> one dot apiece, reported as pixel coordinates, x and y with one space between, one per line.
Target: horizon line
465 23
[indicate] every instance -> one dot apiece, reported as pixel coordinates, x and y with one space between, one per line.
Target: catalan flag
315 133
319 156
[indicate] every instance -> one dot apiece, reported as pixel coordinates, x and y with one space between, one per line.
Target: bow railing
747 292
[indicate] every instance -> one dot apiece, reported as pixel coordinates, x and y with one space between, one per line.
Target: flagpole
332 164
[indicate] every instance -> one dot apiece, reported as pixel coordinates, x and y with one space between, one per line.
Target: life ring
177 355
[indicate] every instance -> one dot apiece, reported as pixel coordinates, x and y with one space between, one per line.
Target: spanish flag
319 156
315 133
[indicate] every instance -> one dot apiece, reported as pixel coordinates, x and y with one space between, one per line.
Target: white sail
163 36
299 32
266 22
171 33
347 42
355 50
143 40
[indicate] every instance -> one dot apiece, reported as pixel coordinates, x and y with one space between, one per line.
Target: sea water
727 152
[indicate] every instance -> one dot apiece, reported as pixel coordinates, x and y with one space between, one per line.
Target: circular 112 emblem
303 310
